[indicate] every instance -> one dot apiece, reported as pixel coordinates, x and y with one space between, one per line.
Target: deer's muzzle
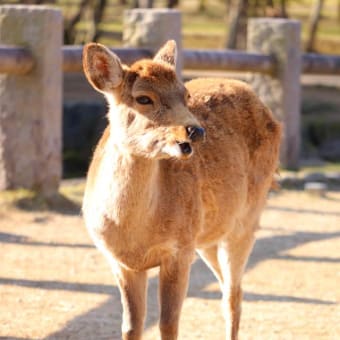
195 133
185 148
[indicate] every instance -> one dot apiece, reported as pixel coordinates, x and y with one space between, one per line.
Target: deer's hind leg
209 256
232 256
227 260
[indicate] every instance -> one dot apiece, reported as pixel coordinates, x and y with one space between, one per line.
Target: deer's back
237 161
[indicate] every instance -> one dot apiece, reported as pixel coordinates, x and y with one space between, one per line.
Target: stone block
281 91
31 104
151 28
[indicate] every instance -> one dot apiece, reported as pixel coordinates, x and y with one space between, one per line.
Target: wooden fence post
31 104
281 92
151 28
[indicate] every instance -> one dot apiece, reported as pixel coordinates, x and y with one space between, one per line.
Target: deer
180 169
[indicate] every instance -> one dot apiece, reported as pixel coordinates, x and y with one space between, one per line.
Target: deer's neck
133 191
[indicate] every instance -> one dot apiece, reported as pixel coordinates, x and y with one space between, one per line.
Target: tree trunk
202 6
237 21
283 9
143 3
228 5
313 26
98 17
172 3
69 27
259 8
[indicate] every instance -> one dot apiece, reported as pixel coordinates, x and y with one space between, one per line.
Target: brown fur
148 204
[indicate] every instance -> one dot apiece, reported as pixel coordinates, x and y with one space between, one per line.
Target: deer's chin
160 149
179 150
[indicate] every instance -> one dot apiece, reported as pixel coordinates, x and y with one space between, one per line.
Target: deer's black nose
195 133
185 148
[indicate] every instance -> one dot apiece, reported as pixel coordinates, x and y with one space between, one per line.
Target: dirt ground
55 285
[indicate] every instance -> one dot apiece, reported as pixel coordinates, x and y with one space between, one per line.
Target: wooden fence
32 60
20 61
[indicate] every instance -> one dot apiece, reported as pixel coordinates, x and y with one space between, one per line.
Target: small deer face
148 104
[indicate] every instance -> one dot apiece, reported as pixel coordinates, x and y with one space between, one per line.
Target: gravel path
55 285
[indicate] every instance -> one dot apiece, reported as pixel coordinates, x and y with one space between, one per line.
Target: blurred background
213 24
206 23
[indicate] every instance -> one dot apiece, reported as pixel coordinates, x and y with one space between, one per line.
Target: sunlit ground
55 285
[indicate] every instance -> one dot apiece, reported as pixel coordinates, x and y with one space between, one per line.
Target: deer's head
148 113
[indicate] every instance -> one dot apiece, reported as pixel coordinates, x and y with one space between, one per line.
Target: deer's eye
144 100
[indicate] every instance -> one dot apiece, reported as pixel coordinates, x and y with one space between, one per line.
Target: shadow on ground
103 322
11 238
57 203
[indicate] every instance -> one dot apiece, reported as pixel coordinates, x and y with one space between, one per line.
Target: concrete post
151 28
281 92
31 105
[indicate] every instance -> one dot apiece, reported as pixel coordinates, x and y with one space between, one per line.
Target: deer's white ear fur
103 69
167 54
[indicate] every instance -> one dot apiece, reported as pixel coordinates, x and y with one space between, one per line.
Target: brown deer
178 169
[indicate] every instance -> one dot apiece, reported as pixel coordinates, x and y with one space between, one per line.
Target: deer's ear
102 68
167 54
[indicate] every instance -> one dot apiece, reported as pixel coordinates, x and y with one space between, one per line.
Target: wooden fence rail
320 64
15 60
19 60
72 56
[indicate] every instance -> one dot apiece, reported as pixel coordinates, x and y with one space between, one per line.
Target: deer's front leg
174 278
132 286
